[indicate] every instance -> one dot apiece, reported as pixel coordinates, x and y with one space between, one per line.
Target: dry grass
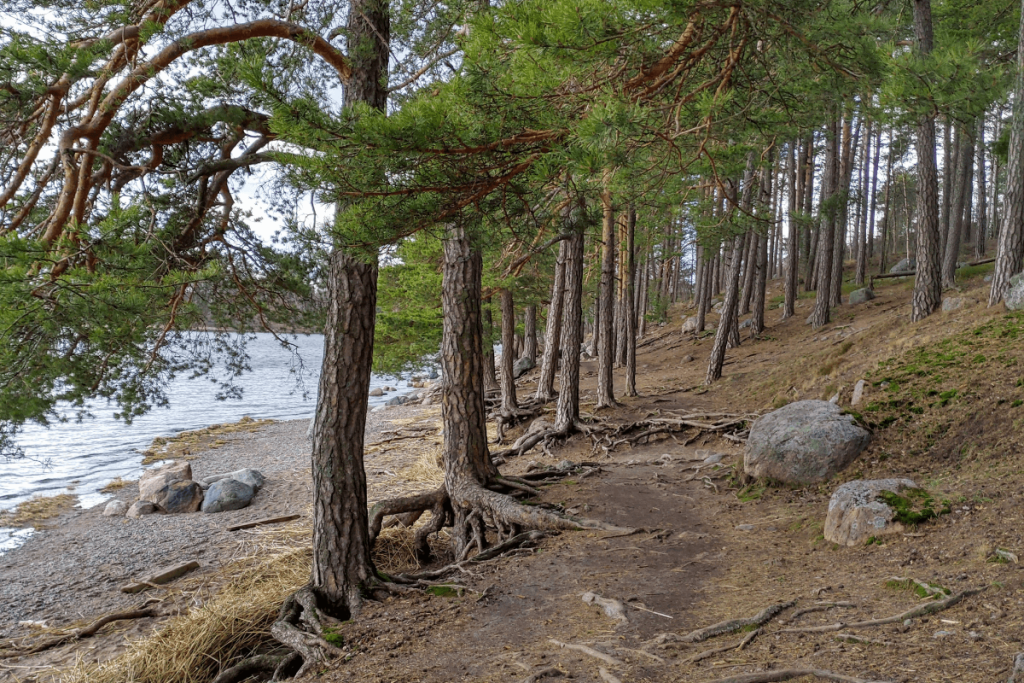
184 444
115 485
38 509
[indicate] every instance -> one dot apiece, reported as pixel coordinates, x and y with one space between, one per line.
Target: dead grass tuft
115 485
184 444
38 509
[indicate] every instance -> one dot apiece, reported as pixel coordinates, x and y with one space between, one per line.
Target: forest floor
946 405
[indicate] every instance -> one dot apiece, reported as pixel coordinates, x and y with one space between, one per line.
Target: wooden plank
261 522
161 576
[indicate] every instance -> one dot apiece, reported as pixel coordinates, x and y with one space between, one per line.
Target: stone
1014 298
395 401
855 512
745 527
433 375
714 458
859 390
687 358
1017 675
178 496
953 303
155 479
861 296
942 634
717 308
565 466
835 399
904 266
227 494
746 323
115 508
427 401
376 391
988 278
804 442
311 428
690 325
523 366
140 508
253 478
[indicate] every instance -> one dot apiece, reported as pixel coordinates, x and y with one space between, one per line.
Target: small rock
714 458
904 266
861 296
908 622
942 634
835 399
687 358
804 442
433 375
717 308
155 479
746 323
1017 675
178 496
376 392
115 508
141 507
952 303
395 401
565 466
427 401
611 607
227 494
855 513
974 635
523 366
858 392
988 278
745 527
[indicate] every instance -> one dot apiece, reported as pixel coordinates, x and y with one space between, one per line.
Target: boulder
523 366
377 391
859 389
227 494
178 496
253 478
717 308
855 512
395 401
1015 293
155 479
953 303
805 442
690 325
115 508
141 507
904 266
433 375
861 296
746 323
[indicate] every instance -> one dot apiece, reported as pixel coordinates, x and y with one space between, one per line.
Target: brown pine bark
928 282
861 251
509 403
567 413
962 183
490 370
1010 245
530 333
827 219
793 257
553 329
630 316
606 344
761 259
750 250
982 228
850 136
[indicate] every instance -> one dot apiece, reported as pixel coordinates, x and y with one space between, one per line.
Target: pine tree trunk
530 333
750 247
886 213
982 229
641 309
630 331
928 283
342 566
1010 245
793 257
620 298
874 197
728 318
606 346
948 165
553 330
509 403
761 275
850 137
862 231
827 219
964 160
490 371
567 413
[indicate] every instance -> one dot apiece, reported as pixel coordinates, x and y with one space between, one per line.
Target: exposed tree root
636 432
86 632
550 672
436 502
725 648
607 659
519 541
852 638
723 627
300 610
789 674
283 667
816 608
1017 675
607 676
920 611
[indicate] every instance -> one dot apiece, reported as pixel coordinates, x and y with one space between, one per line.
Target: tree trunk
961 188
620 297
553 330
750 248
761 275
862 230
641 309
793 257
509 403
728 318
490 380
827 219
567 413
874 197
850 137
982 228
342 567
886 221
1010 245
948 166
630 331
530 333
606 350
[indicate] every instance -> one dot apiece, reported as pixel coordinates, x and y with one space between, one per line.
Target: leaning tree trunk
553 330
530 334
630 308
490 380
1010 245
509 404
606 344
928 282
567 413
729 314
826 236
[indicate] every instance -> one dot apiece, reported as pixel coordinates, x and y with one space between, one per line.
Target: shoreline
72 570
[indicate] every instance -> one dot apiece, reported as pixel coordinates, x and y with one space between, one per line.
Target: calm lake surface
84 457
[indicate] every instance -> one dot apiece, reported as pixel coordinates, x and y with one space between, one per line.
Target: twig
608 659
723 627
788 674
725 648
86 632
550 672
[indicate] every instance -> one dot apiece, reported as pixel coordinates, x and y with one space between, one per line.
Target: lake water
84 457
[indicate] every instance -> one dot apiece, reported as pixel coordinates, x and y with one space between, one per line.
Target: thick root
723 627
789 674
300 610
408 510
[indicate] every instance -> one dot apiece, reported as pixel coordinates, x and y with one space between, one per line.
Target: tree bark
509 403
862 233
827 219
750 250
728 318
961 188
530 333
1010 245
928 282
490 371
630 331
606 350
553 330
982 228
567 413
761 262
793 257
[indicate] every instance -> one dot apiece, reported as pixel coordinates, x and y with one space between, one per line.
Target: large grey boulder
253 478
855 512
953 303
227 494
904 266
690 325
861 296
178 496
1015 294
155 479
805 442
523 366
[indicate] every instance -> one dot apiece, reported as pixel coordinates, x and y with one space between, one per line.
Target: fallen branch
853 638
550 672
725 648
607 676
723 627
816 608
789 674
607 659
86 632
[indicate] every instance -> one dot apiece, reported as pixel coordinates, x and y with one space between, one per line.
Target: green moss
914 507
921 591
332 636
751 492
443 591
873 540
1017 403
